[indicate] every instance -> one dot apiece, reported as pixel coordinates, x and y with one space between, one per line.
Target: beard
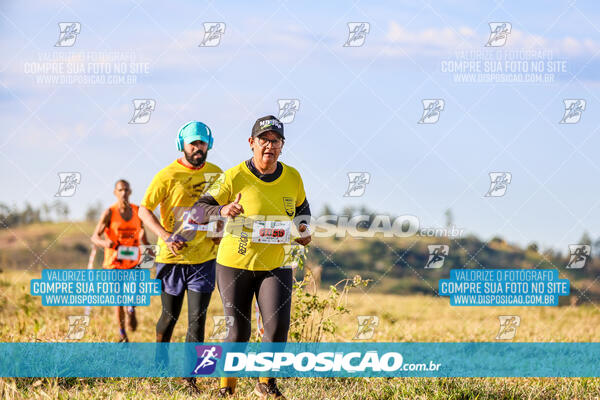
192 159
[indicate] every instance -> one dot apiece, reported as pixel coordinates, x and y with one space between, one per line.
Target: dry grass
404 319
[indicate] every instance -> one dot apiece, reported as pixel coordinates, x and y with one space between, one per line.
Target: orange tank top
126 236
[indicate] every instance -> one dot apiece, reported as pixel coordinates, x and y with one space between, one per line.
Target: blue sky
359 106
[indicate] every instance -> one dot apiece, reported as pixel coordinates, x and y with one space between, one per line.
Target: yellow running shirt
176 188
256 239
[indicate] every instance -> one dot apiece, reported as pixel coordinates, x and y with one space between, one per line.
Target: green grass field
402 318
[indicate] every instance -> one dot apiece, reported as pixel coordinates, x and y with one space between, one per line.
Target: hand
305 237
234 209
109 244
175 243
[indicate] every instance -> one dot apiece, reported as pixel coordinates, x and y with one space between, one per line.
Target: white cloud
401 41
428 41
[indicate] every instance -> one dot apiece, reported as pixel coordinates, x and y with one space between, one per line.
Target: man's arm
143 238
173 244
99 231
149 219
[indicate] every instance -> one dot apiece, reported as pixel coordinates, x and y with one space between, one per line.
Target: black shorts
176 278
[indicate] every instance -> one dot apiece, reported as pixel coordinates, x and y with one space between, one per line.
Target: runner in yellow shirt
264 200
186 260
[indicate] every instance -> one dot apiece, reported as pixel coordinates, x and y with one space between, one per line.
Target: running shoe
225 391
190 383
268 390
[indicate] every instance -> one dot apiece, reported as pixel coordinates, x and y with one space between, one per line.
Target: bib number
128 253
271 232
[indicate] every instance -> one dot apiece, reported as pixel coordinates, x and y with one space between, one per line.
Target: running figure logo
357 183
573 110
148 255
68 183
437 255
142 109
212 34
432 108
77 326
366 327
357 33
68 33
215 182
579 255
207 359
508 327
287 110
211 177
222 324
499 32
498 184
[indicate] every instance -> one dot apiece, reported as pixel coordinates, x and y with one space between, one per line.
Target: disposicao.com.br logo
302 363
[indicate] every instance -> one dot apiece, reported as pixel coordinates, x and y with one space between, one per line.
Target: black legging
273 291
171 308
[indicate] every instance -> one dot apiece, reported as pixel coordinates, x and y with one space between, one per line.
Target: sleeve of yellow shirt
155 193
220 190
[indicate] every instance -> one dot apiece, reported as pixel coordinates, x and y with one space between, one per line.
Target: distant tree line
56 211
350 212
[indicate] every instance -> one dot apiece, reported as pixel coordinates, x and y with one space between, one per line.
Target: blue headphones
197 129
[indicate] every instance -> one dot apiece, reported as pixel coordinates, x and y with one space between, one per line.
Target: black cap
266 124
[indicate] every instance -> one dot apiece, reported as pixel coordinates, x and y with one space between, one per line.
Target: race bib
128 253
271 232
